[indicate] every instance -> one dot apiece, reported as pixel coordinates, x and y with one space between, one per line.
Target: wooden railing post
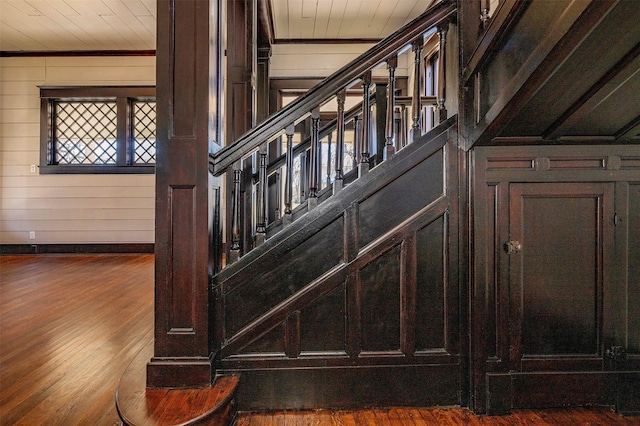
442 77
416 104
357 135
234 252
261 226
363 166
390 148
288 184
338 179
329 140
312 200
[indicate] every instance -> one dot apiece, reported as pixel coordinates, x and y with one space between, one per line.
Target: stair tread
138 405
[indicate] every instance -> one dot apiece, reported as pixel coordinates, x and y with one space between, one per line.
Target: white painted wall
66 209
320 60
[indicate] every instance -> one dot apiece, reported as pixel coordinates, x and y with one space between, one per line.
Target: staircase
338 286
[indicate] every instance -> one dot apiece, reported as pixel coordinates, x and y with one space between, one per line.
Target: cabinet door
560 250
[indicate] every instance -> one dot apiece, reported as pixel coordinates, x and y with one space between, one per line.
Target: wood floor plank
70 325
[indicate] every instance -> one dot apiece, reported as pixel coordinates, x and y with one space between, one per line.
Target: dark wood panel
323 324
347 387
560 303
290 272
633 271
417 188
560 312
430 285
271 342
380 299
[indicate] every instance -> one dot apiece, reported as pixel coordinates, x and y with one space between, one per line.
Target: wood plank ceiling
342 19
68 25
64 25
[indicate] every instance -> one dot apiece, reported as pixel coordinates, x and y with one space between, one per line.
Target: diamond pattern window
105 129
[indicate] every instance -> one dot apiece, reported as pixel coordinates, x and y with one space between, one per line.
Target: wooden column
181 348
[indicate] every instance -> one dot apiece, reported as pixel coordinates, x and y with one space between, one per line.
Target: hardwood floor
70 325
437 416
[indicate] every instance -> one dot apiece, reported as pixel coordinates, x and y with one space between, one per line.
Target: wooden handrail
343 78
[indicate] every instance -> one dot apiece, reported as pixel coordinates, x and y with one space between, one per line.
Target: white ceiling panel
131 24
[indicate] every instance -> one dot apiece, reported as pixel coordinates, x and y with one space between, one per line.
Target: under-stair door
560 247
564 296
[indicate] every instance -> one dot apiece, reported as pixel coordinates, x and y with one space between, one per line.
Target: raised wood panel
271 342
431 283
348 387
380 303
323 325
376 214
561 301
633 271
312 258
552 309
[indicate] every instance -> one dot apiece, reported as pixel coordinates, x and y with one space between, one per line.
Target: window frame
124 96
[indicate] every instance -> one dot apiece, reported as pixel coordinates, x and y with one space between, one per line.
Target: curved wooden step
138 406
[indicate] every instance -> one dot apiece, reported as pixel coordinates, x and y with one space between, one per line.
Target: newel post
181 346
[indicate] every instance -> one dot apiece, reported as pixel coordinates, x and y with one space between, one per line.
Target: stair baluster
365 141
261 226
390 148
312 200
416 104
442 87
234 253
288 186
338 179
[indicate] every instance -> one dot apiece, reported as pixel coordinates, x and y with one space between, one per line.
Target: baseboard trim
16 249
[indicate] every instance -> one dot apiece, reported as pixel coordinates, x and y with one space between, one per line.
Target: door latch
513 247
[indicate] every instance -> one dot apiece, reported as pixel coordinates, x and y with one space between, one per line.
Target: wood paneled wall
66 209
